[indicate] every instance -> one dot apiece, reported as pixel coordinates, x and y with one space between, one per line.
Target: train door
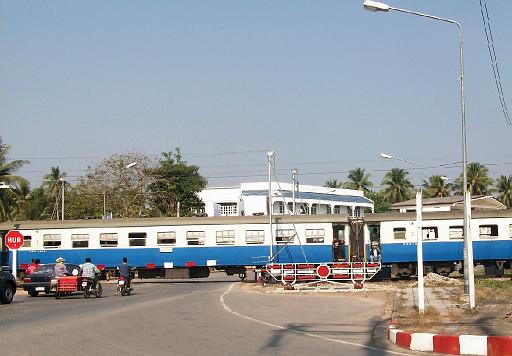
339 251
356 240
374 248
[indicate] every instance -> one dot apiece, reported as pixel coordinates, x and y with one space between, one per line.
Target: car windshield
50 268
45 268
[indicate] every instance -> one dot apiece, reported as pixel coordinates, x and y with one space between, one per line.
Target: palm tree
397 186
358 180
435 187
479 182
333 183
9 196
504 188
52 185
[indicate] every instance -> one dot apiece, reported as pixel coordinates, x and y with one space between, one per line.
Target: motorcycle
124 285
91 288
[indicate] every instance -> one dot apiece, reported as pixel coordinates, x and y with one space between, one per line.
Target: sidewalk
447 326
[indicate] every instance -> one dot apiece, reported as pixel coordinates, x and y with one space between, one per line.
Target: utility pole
419 251
63 182
294 180
270 155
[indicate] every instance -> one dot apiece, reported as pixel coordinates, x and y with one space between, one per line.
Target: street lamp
386 156
419 238
63 183
469 278
142 203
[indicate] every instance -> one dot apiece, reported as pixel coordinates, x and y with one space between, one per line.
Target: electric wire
494 61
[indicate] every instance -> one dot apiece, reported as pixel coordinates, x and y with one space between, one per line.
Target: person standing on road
89 270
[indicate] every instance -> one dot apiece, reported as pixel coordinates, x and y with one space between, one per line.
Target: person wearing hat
60 268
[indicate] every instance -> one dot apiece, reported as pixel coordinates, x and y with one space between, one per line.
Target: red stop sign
14 239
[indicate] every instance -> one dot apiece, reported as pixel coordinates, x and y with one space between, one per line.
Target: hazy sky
325 84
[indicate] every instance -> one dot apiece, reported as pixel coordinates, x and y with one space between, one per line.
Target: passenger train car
443 240
167 246
190 247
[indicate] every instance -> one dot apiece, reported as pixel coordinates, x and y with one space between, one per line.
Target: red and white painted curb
448 344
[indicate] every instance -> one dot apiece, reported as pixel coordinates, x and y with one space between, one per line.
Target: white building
252 199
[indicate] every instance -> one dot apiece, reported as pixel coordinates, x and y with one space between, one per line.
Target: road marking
221 298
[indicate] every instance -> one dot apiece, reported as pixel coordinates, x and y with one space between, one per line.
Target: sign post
14 240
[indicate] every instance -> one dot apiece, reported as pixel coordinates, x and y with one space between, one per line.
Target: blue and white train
190 247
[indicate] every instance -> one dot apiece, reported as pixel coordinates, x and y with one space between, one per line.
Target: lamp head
131 164
386 156
375 6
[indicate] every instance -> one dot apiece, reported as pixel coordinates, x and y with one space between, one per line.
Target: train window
337 209
488 231
285 235
226 237
399 233
456 233
51 240
108 240
137 239
315 236
429 233
166 238
195 237
27 241
254 236
80 240
329 210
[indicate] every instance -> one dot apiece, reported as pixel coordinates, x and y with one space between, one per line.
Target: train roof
236 220
438 215
173 221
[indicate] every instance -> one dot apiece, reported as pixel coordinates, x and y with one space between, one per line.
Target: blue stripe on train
224 256
447 251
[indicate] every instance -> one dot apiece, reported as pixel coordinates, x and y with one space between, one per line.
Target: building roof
477 201
313 196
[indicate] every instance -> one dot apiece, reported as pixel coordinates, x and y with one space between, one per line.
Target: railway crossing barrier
334 272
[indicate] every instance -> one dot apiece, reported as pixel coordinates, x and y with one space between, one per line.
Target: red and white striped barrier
291 273
449 344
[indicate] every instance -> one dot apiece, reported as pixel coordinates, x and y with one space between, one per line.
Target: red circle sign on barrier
14 239
323 271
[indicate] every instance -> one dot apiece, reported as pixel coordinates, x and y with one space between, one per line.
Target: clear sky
325 84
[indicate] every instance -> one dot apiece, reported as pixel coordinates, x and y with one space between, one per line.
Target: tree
435 187
479 182
397 186
9 197
52 185
358 180
36 206
504 188
175 181
125 188
380 204
333 183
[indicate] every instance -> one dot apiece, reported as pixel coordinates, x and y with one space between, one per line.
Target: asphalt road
215 316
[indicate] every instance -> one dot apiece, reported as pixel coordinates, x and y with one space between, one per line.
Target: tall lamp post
469 278
419 238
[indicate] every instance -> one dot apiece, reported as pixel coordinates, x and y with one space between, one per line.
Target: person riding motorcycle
89 270
125 272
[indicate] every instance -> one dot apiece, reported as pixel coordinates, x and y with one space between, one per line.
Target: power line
494 59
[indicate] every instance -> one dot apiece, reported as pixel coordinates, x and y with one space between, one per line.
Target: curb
451 344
